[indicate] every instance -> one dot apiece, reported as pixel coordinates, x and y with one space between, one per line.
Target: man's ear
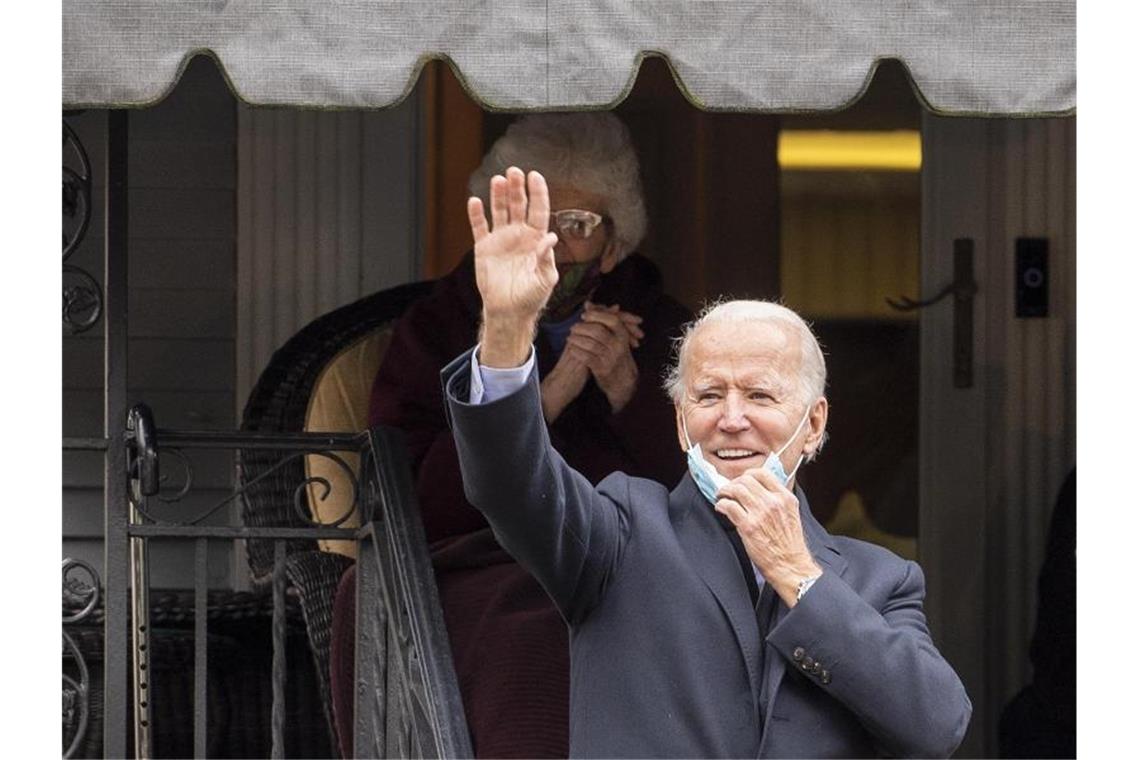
611 255
817 425
680 428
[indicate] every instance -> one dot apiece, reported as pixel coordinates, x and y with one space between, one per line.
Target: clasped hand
601 345
767 518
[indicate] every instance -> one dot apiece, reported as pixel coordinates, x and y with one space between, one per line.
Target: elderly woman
603 342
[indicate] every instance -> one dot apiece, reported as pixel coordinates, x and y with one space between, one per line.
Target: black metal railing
407 697
401 648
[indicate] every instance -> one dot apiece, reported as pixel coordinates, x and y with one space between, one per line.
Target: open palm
514 257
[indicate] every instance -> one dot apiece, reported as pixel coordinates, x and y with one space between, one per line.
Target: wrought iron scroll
80 599
82 294
148 480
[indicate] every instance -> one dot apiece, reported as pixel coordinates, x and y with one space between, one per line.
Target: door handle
963 288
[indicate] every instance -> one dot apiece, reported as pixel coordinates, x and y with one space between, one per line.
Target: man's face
743 398
572 251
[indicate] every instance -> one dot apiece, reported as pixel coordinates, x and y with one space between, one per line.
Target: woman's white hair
589 151
813 368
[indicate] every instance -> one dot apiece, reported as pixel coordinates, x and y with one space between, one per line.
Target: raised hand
514 257
514 264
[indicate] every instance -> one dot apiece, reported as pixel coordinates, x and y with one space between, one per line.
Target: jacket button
825 677
798 654
807 663
816 668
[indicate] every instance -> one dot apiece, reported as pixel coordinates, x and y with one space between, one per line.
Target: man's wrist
505 341
795 581
805 584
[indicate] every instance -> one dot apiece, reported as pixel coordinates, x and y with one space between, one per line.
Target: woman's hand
603 340
562 385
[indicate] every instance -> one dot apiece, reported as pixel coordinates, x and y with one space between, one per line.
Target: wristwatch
805 583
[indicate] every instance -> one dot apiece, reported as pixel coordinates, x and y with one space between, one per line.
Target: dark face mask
575 284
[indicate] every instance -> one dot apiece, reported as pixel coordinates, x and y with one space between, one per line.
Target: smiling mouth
731 455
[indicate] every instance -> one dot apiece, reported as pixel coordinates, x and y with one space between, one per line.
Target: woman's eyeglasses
575 223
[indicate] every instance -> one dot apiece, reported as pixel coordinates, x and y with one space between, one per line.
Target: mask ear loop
799 461
685 428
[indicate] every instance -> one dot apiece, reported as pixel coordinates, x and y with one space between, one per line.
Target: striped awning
965 57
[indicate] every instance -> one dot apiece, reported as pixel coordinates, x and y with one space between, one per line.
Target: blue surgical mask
709 481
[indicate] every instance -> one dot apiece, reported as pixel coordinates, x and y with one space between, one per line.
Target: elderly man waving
718 619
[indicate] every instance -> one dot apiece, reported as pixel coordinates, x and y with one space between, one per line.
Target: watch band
805 583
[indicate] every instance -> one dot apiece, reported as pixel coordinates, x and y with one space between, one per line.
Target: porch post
116 687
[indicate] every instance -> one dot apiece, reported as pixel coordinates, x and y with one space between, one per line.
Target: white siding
326 213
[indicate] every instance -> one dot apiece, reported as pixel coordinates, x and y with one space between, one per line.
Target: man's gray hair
813 368
589 151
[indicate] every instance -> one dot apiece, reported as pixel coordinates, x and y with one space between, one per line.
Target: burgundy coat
510 645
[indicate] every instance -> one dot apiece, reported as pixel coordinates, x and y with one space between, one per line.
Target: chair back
281 401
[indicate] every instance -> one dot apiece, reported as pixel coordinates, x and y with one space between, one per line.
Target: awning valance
986 57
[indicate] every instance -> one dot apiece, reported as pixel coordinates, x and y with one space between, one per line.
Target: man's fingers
739 493
477 218
766 480
516 195
499 215
730 509
538 202
546 262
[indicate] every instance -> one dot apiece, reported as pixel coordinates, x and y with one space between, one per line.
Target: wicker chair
279 403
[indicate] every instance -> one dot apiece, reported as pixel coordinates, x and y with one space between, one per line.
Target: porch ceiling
965 57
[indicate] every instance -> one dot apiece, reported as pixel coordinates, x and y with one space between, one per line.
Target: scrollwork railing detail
82 294
80 598
148 464
300 492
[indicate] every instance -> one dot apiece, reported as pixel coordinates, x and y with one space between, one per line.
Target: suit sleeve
548 516
881 663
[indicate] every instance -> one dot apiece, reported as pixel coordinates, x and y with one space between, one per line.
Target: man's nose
732 419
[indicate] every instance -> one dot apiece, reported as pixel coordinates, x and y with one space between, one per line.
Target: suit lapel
831 561
711 554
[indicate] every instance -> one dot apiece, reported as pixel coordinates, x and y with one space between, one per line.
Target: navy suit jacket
666 657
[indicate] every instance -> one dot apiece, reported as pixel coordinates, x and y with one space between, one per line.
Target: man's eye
759 396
